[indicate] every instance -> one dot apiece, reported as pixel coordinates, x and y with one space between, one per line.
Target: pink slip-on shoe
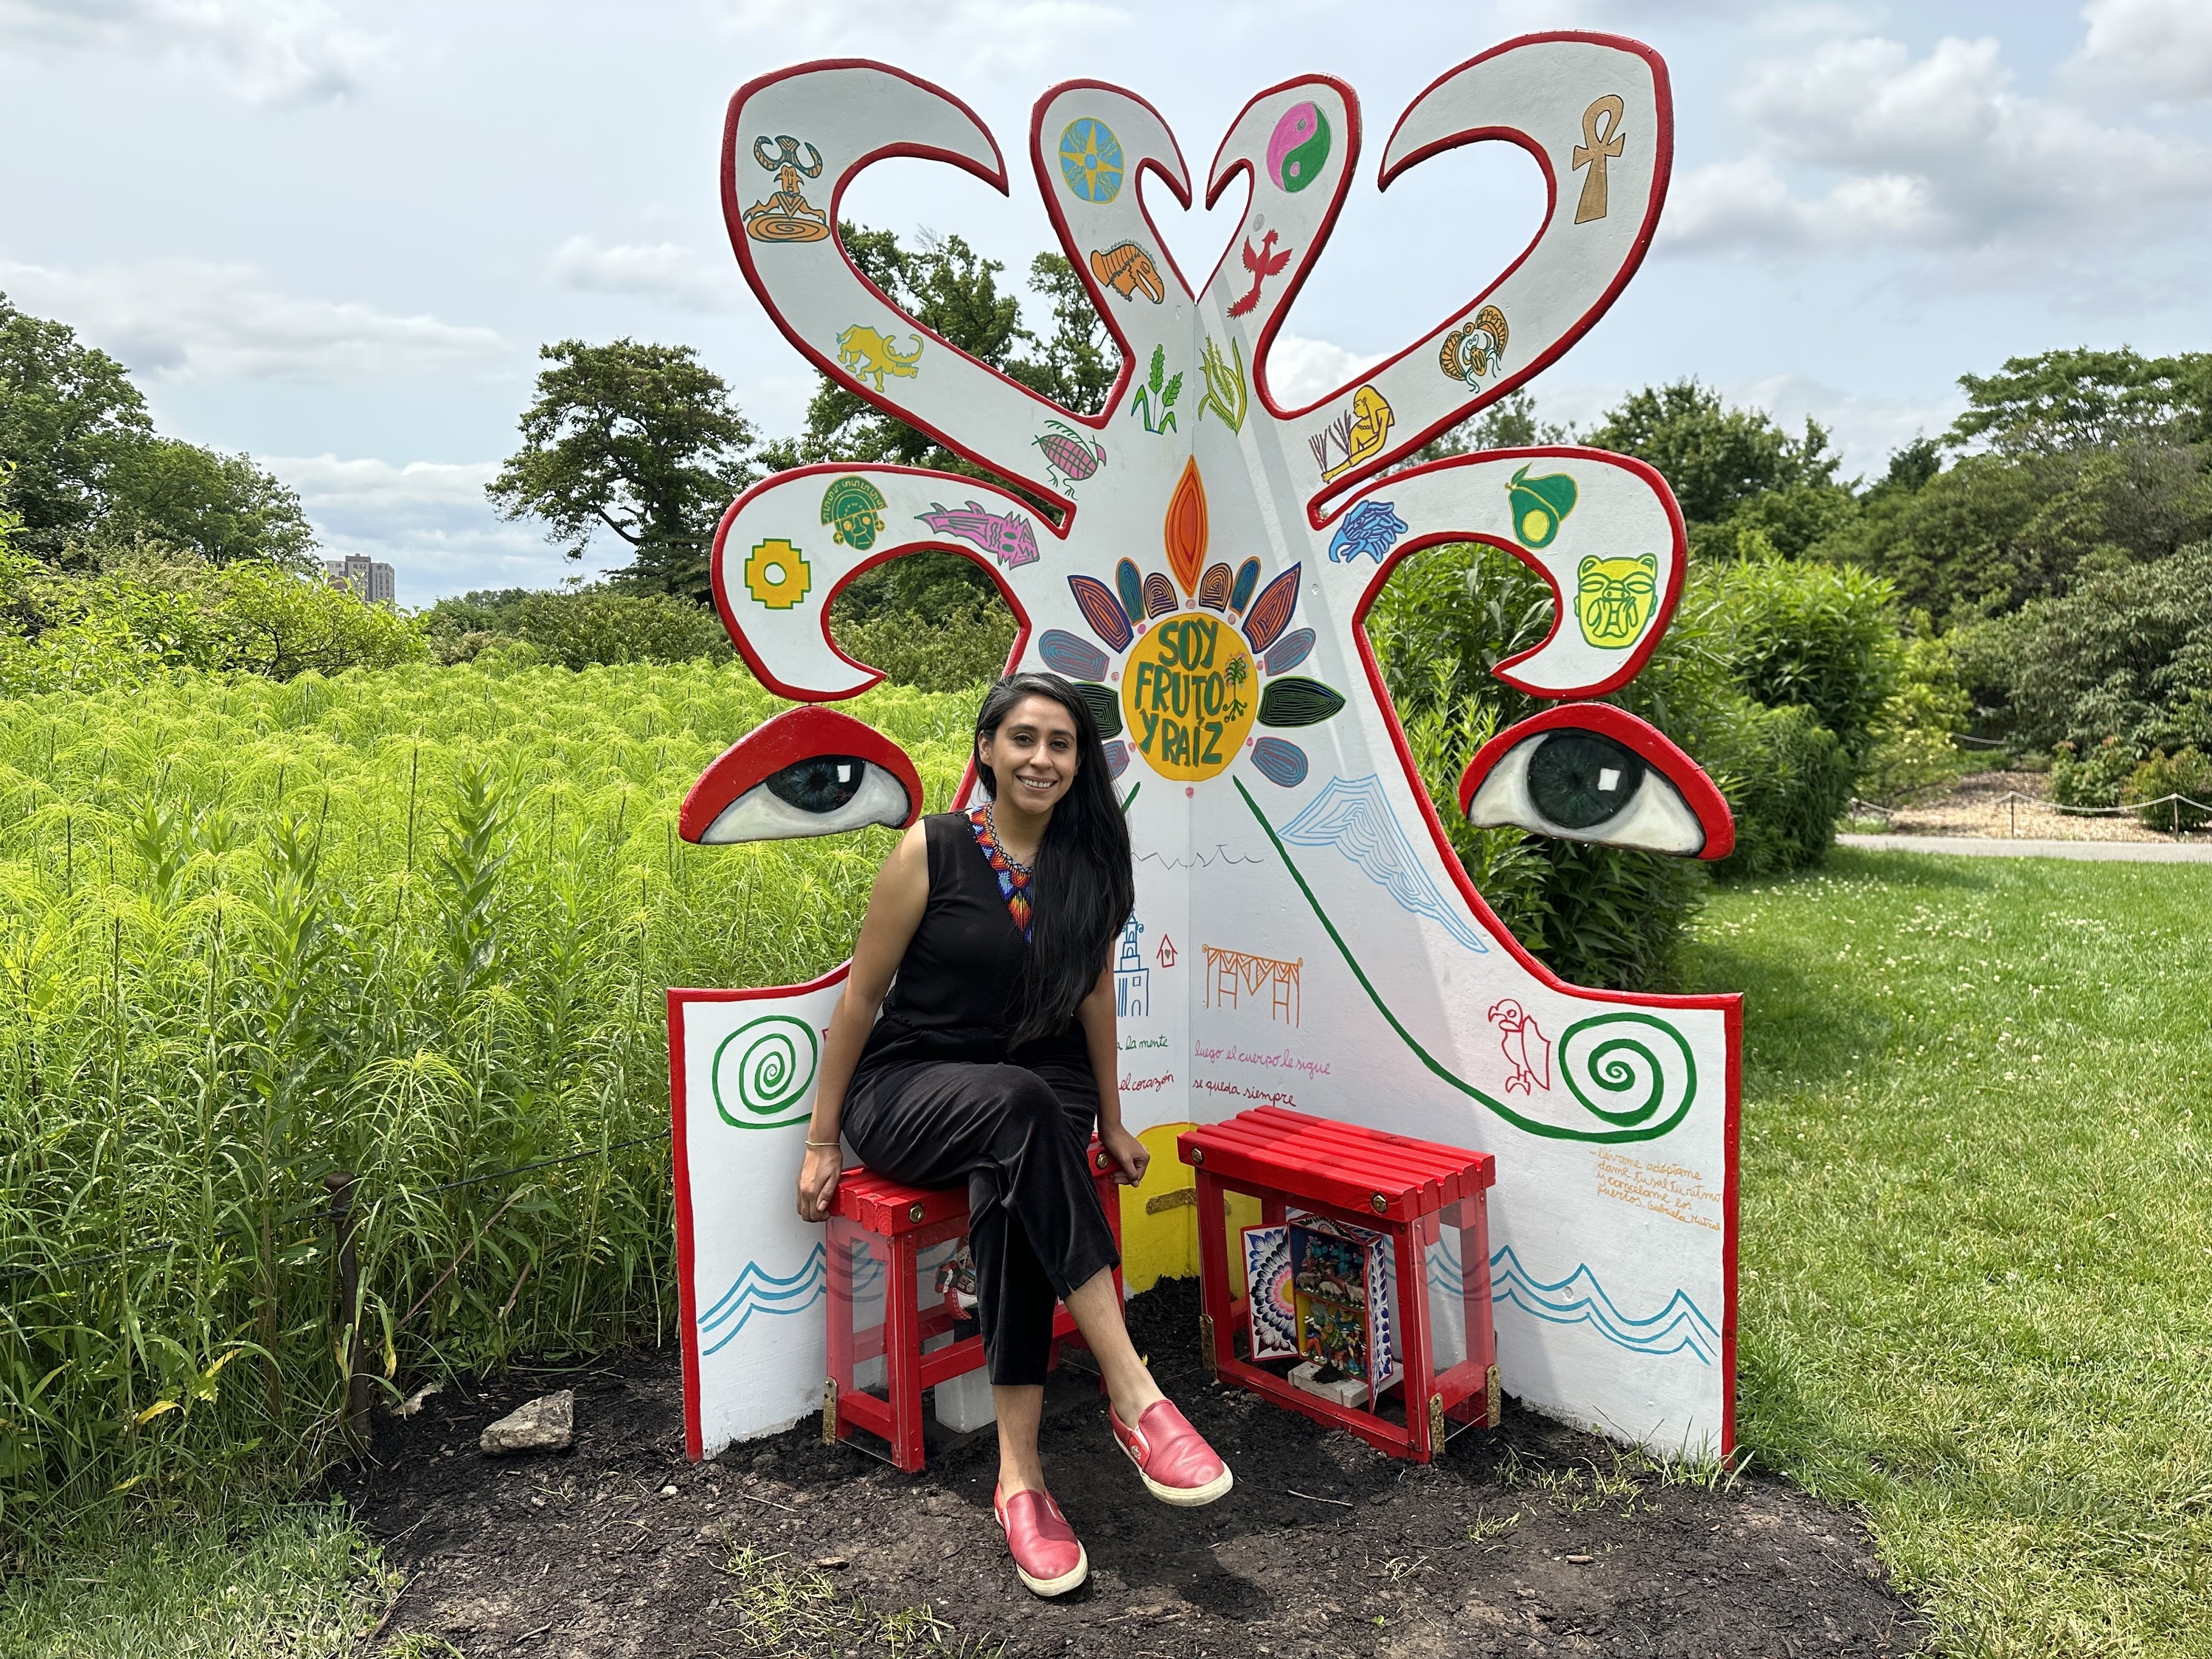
1047 1555
1171 1456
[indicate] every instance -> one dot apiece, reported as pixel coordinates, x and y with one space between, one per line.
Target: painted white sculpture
1303 934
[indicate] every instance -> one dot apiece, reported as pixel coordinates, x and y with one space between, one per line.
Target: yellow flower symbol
776 575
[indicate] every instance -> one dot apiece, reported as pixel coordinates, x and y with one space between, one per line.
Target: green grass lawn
1976 1287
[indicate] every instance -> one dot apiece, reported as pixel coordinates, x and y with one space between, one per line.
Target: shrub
1816 636
963 648
156 608
1595 916
1787 779
1913 750
2091 780
2119 656
2187 774
595 626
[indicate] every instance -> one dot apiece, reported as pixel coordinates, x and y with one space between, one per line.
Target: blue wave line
756 1290
1354 816
1579 1300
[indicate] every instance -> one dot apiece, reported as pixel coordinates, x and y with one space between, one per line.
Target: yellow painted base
1159 1230
1159 1218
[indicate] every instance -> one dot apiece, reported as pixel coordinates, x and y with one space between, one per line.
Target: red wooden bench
876 1220
1410 1189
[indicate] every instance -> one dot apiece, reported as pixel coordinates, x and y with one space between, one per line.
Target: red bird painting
1263 263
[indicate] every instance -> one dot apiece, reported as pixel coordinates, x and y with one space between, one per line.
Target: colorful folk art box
1325 1292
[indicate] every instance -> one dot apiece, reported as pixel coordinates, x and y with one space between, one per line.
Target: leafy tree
1508 424
640 438
959 622
2078 399
67 413
1985 537
1076 364
90 474
2121 656
946 287
1714 458
222 507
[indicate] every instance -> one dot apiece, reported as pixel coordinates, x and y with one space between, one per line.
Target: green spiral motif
1620 1058
768 1065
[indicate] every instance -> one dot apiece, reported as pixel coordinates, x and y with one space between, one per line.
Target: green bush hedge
1816 636
1787 778
584 628
155 609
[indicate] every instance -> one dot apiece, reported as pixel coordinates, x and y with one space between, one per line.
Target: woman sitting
975 1041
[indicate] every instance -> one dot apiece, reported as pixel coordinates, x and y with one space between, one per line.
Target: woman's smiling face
1033 754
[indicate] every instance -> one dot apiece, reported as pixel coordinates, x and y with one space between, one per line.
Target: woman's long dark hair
1084 887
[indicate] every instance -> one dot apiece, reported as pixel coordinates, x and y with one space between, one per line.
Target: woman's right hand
817 1181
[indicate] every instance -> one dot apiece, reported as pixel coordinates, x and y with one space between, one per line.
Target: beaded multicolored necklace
1013 878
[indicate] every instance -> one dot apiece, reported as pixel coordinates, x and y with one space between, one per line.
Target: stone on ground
546 1424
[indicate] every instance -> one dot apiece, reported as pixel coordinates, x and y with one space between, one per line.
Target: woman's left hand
1126 1149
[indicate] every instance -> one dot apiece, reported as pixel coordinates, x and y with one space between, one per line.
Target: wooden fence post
359 1426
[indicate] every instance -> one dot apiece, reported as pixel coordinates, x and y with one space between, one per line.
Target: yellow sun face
1189 694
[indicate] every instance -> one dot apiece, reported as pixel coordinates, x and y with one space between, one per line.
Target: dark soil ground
1529 1540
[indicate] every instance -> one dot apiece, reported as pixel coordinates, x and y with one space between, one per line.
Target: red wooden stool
1384 1183
877 1228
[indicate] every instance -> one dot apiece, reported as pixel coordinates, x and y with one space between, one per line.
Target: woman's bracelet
821 1143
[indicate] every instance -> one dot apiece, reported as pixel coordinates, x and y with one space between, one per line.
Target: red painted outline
1663 175
1731 1184
1662 613
785 740
1133 179
975 556
1663 755
687 1295
1218 181
733 222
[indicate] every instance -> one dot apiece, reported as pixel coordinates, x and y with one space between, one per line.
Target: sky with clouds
334 235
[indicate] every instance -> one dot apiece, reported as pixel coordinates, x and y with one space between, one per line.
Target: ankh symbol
1592 152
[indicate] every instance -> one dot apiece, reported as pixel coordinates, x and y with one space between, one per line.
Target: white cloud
1301 370
1939 152
2156 49
190 319
427 519
1862 430
276 52
664 270
987 35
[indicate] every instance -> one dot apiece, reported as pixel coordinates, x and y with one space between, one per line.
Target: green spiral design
1620 1056
768 1064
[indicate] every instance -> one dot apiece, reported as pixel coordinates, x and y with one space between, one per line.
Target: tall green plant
414 925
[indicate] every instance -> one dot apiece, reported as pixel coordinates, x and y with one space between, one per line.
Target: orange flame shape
1184 531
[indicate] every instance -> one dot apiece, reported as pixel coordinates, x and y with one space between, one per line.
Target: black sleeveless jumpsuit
938 1098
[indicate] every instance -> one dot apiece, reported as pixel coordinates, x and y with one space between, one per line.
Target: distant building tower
369 579
1133 996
